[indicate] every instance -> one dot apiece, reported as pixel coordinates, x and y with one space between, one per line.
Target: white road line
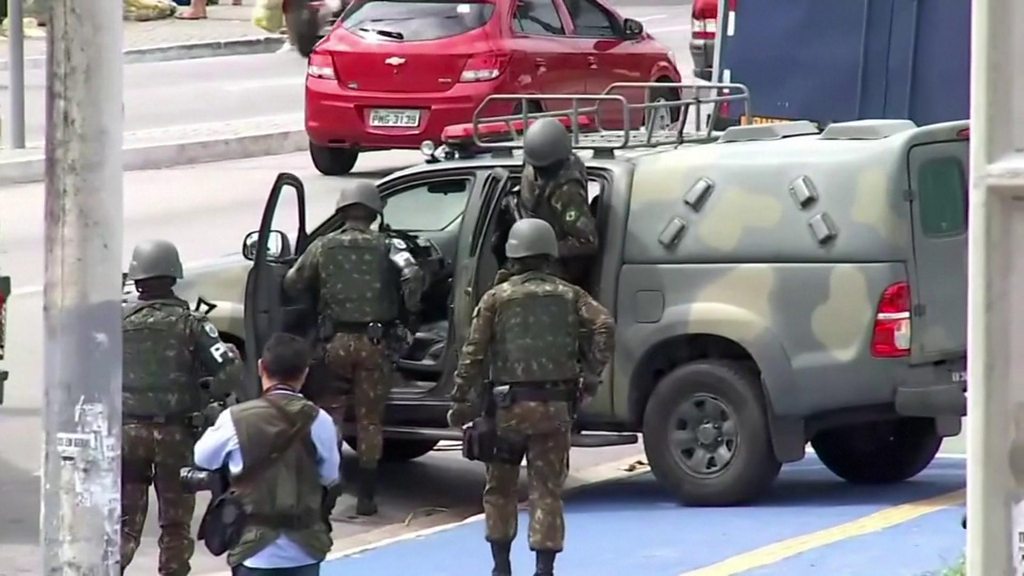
270 83
654 17
669 29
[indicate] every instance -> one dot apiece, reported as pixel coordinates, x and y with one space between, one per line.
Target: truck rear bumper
933 401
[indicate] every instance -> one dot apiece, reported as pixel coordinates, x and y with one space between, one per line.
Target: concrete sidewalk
180 145
228 30
810 520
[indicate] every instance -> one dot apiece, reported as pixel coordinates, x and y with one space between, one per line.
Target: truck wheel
706 434
399 450
333 161
878 452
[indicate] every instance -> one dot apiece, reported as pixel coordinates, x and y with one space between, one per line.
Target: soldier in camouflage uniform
168 350
361 287
554 188
547 341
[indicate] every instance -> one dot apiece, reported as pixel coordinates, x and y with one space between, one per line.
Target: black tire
668 95
752 467
878 452
333 161
399 450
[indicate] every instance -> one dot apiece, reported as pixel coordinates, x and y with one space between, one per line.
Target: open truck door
267 308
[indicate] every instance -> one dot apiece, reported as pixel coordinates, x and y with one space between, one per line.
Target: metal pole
995 422
16 73
82 301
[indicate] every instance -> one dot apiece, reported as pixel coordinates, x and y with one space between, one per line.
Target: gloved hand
460 414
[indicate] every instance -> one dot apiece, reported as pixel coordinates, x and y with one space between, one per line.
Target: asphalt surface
170 94
810 524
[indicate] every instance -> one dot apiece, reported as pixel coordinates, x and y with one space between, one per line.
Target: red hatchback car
394 73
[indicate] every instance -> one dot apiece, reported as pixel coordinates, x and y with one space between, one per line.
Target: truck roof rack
583 118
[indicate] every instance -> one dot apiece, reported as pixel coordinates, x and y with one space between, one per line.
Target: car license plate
395 118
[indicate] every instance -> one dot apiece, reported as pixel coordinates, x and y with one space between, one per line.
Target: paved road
171 94
810 524
206 209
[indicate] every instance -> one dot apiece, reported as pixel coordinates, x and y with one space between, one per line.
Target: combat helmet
360 192
155 259
531 237
546 142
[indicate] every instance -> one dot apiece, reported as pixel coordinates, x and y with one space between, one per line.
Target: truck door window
943 197
538 17
427 206
590 20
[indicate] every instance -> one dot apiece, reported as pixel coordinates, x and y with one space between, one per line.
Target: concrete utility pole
82 299
16 74
995 421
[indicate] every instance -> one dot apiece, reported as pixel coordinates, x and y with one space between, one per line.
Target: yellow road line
773 553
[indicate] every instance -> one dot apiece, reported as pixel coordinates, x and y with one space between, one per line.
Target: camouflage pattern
536 332
168 350
777 247
353 275
154 454
353 359
562 203
538 430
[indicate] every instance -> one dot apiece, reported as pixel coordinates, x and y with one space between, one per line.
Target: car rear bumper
703 54
934 390
339 117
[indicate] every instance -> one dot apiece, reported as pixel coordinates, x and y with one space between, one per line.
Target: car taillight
483 67
320 66
892 323
704 19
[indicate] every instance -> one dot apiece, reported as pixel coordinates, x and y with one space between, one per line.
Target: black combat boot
545 563
365 504
501 551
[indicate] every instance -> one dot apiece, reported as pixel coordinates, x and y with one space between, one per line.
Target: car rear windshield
416 20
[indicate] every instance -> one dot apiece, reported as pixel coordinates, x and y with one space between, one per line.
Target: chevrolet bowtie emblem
395 61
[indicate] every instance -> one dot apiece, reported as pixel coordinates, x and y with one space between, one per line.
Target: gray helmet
531 237
546 142
360 192
155 259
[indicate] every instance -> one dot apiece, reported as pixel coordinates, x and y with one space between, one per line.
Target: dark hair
285 357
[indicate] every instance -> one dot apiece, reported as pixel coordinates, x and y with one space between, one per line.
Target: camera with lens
199 480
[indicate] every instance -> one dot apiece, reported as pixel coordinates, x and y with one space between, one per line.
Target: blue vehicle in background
839 60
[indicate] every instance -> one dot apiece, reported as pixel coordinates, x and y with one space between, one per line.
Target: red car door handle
540 62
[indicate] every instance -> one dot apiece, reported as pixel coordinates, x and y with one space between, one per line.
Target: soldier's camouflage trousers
351 357
154 454
541 433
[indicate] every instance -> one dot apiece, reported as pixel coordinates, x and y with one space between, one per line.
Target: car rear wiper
385 33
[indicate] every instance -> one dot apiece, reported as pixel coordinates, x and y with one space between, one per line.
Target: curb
32 168
186 51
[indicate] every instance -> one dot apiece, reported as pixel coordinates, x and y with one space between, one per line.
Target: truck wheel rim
704 435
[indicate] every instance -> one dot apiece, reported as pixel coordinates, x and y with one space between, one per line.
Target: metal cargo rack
584 115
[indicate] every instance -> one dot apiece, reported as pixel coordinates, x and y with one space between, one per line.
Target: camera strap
297 430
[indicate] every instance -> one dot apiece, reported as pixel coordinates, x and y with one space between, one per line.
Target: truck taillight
320 66
891 337
704 19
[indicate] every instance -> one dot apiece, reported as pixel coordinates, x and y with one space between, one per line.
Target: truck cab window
943 197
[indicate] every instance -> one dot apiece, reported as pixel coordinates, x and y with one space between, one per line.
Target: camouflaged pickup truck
773 285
